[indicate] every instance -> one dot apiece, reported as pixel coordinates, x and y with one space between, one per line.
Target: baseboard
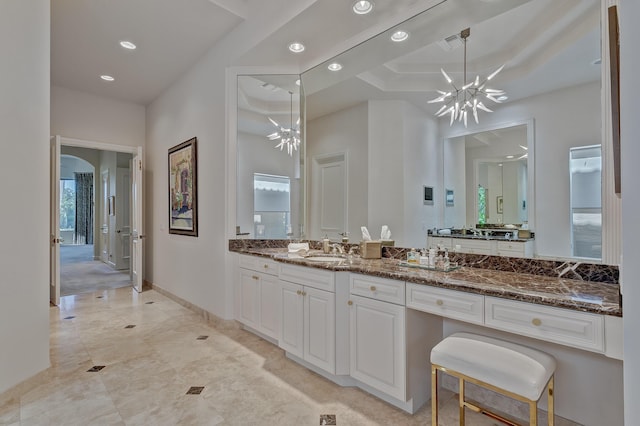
206 315
17 391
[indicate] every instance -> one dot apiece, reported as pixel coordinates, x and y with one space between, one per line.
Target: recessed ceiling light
597 61
503 98
335 67
298 82
127 45
399 36
107 77
510 156
499 164
296 47
362 7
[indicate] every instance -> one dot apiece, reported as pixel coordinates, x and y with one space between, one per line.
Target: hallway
79 273
148 369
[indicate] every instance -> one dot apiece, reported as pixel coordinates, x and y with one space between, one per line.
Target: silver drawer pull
299 293
373 288
537 322
439 302
266 266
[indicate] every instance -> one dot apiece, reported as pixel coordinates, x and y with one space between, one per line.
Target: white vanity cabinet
308 319
377 348
258 295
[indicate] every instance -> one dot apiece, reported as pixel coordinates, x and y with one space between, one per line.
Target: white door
377 345
123 227
249 295
329 215
319 328
54 238
291 320
137 224
270 306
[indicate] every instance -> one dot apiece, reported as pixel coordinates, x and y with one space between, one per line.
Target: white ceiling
540 39
171 35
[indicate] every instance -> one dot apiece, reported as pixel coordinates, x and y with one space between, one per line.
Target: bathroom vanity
371 322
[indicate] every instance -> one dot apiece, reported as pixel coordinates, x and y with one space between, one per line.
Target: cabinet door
269 306
249 298
378 345
320 330
291 319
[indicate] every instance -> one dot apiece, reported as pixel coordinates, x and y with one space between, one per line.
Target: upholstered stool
513 370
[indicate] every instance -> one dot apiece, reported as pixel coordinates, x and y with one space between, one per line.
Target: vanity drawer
444 242
312 277
564 326
258 264
377 288
447 303
476 246
514 248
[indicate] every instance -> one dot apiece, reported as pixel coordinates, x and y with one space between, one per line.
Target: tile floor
150 370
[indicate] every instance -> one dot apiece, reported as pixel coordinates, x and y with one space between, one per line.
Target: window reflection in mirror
586 202
269 202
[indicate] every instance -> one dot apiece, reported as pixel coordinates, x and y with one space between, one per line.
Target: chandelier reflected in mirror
468 98
288 137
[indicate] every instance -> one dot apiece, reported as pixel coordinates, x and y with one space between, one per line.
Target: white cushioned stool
513 370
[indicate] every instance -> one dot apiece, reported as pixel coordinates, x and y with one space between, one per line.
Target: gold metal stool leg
462 419
550 407
533 413
434 396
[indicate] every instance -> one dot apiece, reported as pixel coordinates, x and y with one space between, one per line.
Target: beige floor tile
148 370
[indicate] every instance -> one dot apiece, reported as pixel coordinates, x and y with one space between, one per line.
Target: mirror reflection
486 173
373 141
269 175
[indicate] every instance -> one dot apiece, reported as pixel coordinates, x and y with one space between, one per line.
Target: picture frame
448 197
183 188
499 204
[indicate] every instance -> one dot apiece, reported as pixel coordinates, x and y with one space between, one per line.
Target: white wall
455 175
563 119
404 155
24 120
630 129
342 131
422 166
80 115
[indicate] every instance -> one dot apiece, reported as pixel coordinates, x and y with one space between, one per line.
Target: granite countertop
586 296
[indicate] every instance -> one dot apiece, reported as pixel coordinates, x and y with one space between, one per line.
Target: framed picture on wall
183 194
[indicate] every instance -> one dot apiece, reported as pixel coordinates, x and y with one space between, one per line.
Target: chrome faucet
337 248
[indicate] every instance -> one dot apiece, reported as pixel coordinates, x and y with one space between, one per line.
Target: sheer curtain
84 208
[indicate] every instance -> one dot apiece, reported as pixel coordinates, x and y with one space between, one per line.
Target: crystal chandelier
288 137
459 102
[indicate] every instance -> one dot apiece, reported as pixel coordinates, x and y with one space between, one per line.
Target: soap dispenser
325 245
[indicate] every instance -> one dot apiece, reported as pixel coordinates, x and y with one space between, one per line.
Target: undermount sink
324 258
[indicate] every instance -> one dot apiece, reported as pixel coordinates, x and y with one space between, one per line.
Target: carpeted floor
79 273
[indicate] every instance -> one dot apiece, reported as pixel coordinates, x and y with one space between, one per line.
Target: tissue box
370 249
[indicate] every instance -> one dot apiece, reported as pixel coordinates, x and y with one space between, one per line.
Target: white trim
101 146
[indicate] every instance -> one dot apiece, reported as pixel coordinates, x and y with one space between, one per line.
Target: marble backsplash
574 269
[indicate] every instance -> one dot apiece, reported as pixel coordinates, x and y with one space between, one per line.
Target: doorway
95 217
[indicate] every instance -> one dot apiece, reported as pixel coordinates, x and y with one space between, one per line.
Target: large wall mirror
373 141
270 169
